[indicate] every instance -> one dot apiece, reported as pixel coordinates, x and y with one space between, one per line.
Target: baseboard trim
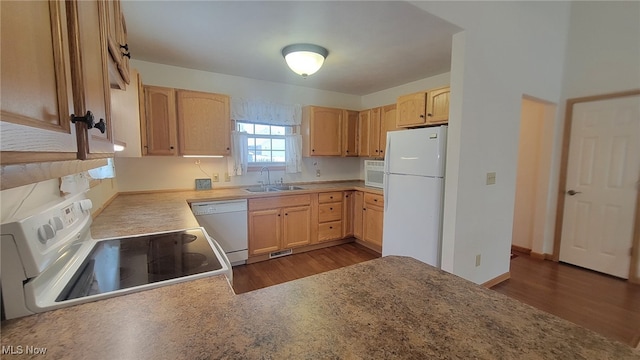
374 248
264 257
540 256
520 249
497 280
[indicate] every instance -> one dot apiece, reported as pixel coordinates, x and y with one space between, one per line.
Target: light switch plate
491 178
203 184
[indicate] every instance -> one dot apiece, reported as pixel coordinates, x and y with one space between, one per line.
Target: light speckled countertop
131 214
392 307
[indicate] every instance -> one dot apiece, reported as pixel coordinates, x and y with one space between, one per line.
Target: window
266 143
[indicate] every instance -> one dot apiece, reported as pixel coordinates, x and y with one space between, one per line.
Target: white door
603 174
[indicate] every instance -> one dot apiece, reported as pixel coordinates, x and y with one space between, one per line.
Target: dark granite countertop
392 307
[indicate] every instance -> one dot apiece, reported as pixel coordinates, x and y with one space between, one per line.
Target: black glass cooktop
135 261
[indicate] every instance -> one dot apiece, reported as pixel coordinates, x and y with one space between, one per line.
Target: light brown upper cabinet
35 104
364 134
424 108
117 44
388 120
350 133
159 123
88 45
203 123
321 131
373 127
61 40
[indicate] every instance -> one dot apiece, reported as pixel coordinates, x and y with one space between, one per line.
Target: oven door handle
225 259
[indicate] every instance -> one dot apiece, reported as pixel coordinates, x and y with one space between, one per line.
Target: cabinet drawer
330 212
279 201
330 231
373 199
327 197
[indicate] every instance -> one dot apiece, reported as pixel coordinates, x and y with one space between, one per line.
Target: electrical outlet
216 178
317 172
477 260
491 178
227 178
197 162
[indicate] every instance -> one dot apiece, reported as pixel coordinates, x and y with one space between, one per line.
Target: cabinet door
438 106
387 123
358 210
296 226
264 231
126 115
36 86
347 213
88 55
364 134
322 131
160 121
203 123
375 132
411 109
117 45
350 133
373 218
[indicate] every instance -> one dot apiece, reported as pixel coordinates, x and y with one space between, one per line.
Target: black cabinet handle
331 209
429 115
171 147
278 214
376 200
286 214
227 149
421 116
89 120
330 227
127 54
101 125
313 150
125 47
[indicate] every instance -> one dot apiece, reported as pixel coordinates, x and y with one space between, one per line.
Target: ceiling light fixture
304 59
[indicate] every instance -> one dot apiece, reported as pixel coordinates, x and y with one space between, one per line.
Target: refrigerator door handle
385 175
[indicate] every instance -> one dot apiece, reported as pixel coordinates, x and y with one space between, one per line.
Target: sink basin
273 188
261 189
286 187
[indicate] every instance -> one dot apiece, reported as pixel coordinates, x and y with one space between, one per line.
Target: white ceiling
372 45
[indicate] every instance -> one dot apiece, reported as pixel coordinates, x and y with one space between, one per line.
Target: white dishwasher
226 223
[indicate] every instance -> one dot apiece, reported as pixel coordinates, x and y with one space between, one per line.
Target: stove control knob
86 205
46 232
56 223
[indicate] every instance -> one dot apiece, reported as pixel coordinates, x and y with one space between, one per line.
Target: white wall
390 96
603 54
236 86
17 202
168 173
507 49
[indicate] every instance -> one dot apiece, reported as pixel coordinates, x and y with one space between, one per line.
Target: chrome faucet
268 174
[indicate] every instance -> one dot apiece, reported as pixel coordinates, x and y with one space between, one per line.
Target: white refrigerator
413 193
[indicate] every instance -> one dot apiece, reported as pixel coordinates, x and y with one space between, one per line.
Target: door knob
573 192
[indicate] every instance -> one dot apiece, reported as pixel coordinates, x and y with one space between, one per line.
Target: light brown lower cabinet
358 207
330 206
368 217
347 213
279 222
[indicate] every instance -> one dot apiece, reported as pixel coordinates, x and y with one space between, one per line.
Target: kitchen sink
273 188
286 187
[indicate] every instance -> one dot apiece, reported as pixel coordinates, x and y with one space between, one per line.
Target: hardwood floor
255 276
602 303
606 305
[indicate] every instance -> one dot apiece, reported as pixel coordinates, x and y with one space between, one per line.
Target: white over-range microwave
374 173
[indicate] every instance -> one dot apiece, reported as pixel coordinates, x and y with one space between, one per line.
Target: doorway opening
534 208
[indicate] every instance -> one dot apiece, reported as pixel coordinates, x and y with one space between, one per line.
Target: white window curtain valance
238 161
265 112
293 153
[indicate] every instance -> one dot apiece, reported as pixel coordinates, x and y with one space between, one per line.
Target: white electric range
49 259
